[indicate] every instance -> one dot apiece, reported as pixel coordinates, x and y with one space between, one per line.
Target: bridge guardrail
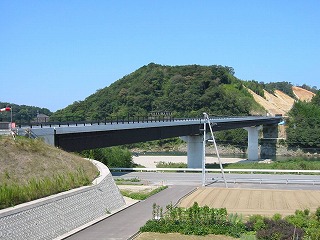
118 120
286 181
252 171
121 120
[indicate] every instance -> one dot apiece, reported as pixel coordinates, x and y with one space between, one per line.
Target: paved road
127 222
262 181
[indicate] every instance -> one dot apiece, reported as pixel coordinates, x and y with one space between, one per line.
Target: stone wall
53 216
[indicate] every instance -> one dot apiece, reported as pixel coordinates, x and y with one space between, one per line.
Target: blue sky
53 53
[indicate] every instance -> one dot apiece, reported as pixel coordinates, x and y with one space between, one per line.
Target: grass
177 236
31 169
128 181
141 195
171 165
291 164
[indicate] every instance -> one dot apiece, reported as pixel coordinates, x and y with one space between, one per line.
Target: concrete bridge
78 137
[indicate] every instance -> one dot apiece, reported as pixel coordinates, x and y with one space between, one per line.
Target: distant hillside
186 91
279 102
22 113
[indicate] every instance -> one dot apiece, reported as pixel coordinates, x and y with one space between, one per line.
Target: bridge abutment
195 150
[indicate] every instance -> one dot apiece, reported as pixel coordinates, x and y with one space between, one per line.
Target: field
254 201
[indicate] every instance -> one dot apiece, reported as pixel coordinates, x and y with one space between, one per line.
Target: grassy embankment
290 164
31 169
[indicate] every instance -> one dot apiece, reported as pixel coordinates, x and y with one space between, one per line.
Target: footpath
127 222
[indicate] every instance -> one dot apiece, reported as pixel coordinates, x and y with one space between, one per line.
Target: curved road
124 224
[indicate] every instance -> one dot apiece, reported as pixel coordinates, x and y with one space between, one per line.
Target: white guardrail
215 170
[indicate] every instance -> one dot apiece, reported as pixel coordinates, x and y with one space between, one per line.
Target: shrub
196 220
279 230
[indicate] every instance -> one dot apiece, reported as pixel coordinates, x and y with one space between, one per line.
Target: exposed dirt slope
303 94
279 102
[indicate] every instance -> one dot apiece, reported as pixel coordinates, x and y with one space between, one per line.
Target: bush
196 220
112 156
279 230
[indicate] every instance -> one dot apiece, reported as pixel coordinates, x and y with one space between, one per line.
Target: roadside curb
134 236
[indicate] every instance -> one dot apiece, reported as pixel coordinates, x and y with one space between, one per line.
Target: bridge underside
90 140
78 141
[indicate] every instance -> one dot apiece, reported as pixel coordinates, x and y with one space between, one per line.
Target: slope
279 102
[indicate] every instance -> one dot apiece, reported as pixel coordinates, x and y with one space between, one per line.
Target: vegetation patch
177 236
204 220
194 221
111 156
171 165
13 194
31 169
141 194
128 181
290 164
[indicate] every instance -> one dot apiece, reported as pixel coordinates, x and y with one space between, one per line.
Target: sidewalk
129 202
128 220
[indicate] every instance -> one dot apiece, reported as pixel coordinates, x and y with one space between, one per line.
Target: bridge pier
253 142
195 150
269 141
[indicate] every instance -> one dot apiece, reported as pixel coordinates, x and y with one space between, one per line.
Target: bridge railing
119 120
116 120
252 171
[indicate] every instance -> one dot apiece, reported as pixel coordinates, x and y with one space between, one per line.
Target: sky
53 53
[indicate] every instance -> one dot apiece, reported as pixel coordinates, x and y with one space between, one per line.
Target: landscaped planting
198 220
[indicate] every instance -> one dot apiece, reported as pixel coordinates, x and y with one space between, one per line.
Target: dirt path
255 201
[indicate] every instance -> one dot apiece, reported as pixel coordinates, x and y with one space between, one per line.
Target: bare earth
281 103
151 161
255 201
303 94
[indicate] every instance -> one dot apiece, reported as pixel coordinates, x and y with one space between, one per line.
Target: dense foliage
112 156
255 86
304 124
198 220
185 91
22 113
259 87
194 221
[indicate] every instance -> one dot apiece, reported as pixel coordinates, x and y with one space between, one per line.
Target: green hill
186 91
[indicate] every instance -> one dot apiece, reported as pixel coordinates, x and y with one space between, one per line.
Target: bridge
83 136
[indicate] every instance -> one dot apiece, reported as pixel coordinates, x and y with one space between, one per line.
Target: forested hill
186 91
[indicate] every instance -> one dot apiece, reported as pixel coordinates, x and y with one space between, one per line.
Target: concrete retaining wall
53 216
